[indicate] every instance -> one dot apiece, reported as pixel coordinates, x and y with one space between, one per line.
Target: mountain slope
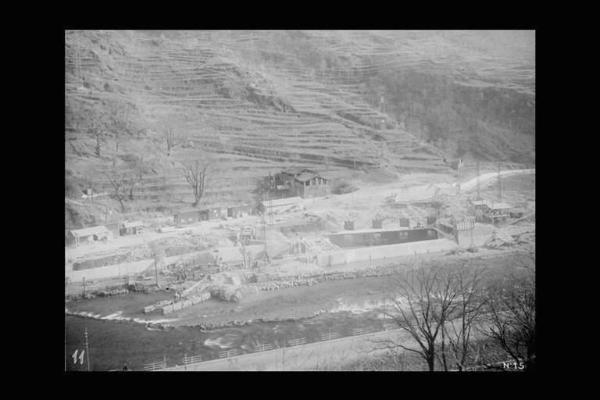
256 101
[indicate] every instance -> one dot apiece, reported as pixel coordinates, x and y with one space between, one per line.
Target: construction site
280 250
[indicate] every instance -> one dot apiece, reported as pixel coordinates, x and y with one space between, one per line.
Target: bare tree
195 175
511 317
118 183
158 254
458 330
170 139
96 128
135 178
424 302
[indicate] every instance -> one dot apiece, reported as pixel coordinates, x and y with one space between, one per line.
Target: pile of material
230 293
190 301
156 306
499 240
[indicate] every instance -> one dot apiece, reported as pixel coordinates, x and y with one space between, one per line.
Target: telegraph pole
478 196
264 221
87 349
499 184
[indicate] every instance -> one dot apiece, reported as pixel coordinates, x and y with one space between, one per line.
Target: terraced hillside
253 102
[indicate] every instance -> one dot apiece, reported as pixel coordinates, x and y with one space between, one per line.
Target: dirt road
486 178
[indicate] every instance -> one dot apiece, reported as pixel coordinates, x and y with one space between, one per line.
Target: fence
260 347
192 359
156 365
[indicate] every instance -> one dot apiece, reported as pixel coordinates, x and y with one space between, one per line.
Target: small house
217 213
88 235
239 211
190 216
132 228
301 182
310 184
500 211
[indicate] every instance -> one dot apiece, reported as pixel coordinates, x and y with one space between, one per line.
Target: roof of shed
306 176
297 171
281 202
132 224
500 206
90 231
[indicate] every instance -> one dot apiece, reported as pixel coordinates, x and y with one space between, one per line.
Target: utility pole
499 184
264 221
87 349
156 271
478 196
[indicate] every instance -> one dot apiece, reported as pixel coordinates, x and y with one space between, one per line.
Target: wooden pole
478 196
499 184
87 349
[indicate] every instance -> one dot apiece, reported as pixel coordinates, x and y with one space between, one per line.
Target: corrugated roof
190 210
281 202
305 176
374 231
90 231
298 170
500 206
132 224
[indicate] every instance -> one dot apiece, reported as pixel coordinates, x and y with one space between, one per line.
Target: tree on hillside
424 300
169 139
511 317
118 183
457 333
195 175
135 177
96 128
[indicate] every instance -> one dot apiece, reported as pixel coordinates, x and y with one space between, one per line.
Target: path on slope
304 357
329 354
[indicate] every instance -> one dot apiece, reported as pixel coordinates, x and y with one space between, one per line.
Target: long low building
381 237
345 256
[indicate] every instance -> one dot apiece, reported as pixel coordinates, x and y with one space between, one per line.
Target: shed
240 210
278 205
217 212
86 235
303 182
189 216
310 184
132 228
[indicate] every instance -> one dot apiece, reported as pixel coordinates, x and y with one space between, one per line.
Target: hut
132 228
190 216
88 235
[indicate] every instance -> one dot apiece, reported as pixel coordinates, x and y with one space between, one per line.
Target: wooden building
132 228
301 182
381 237
190 216
88 235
